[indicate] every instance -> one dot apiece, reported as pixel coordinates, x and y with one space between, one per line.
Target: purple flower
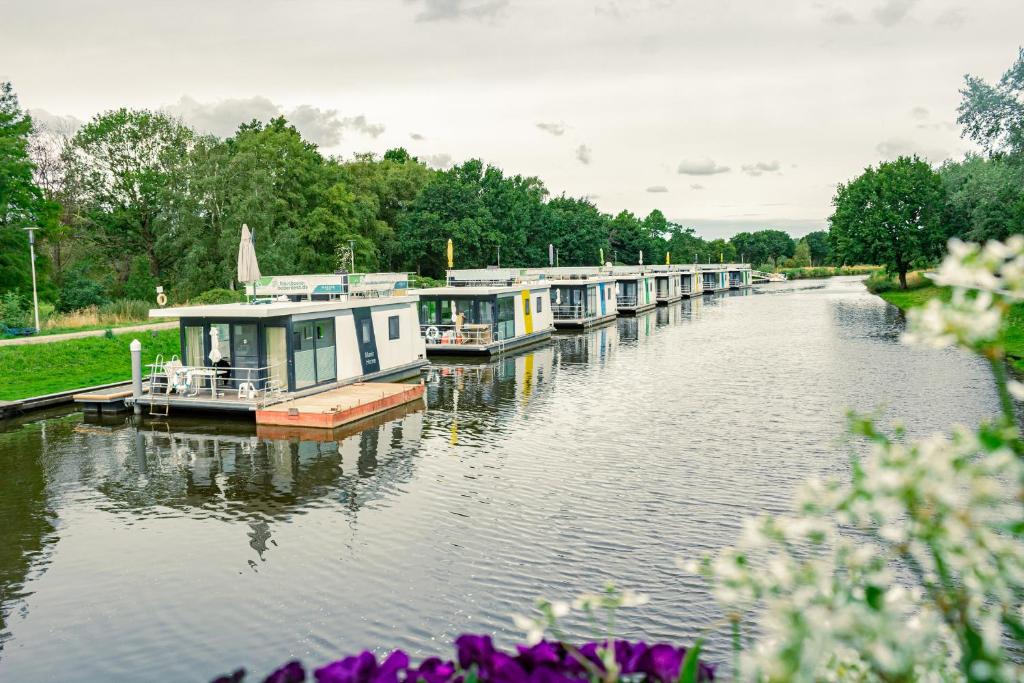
432 670
355 669
292 672
662 663
502 669
474 650
543 654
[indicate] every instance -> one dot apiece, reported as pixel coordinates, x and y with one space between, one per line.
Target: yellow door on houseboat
527 315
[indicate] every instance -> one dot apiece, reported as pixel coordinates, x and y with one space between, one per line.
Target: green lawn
36 369
1014 336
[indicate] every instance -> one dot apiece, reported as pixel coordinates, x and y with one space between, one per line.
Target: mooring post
136 348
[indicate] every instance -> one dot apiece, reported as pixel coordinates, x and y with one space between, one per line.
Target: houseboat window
506 317
485 312
540 304
526 306
326 355
393 330
608 293
365 329
276 343
447 314
313 353
428 312
223 339
195 340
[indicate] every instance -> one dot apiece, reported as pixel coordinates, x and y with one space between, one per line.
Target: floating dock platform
331 409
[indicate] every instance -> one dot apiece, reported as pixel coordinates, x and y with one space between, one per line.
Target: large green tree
985 197
993 115
22 203
763 246
890 216
577 229
131 170
821 247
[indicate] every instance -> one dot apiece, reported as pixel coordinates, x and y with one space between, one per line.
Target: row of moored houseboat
306 334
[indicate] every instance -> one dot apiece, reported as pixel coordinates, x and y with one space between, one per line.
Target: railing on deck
258 385
627 301
468 333
568 312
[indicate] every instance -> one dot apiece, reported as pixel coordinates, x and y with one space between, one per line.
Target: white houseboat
485 311
302 335
581 297
634 289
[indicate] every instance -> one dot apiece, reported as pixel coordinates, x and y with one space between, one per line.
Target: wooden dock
330 409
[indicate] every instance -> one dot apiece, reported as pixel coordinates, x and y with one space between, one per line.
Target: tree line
135 199
901 213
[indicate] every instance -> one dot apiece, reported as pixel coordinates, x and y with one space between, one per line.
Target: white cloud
892 12
553 128
700 167
222 118
416 136
584 154
919 113
696 186
442 10
904 147
840 16
657 188
953 18
439 161
761 167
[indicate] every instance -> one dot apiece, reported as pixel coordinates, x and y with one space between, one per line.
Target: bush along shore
817 272
38 369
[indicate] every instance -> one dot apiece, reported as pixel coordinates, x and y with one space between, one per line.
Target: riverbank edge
36 370
1014 341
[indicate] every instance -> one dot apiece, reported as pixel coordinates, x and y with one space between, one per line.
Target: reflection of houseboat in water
594 346
485 311
302 335
638 327
238 470
474 392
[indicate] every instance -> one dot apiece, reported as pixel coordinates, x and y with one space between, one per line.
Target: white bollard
136 349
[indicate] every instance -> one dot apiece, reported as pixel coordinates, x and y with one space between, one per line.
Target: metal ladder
165 404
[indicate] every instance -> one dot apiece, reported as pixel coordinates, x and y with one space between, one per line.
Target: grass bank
36 369
1014 336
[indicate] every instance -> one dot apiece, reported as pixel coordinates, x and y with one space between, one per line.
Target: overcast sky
725 114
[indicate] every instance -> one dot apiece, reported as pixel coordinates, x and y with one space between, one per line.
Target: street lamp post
352 253
32 255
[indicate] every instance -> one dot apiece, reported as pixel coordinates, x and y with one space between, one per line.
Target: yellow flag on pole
668 258
451 254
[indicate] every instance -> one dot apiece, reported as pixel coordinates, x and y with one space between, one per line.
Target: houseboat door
245 355
601 295
366 340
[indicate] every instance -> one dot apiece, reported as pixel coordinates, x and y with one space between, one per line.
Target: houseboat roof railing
492 277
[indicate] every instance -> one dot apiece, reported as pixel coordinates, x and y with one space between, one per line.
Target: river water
183 549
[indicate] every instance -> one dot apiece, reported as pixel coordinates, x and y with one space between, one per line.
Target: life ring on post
161 299
432 334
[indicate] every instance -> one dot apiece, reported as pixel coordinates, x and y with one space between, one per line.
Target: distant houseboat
485 311
634 289
581 297
302 335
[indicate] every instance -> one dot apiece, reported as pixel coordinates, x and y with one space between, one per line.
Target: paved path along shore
48 338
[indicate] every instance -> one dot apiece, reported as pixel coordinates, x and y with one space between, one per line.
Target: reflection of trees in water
27 520
867 318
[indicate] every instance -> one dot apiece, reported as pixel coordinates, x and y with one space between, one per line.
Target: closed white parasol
248 268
